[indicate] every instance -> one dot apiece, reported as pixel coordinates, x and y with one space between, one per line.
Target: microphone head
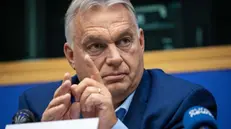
197 117
23 116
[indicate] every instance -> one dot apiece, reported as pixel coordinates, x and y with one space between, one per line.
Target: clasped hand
92 99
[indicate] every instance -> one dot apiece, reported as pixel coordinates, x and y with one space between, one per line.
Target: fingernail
68 82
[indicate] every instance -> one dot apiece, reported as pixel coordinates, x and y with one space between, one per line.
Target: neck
116 105
120 98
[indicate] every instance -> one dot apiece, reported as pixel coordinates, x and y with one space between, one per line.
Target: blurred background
189 39
34 29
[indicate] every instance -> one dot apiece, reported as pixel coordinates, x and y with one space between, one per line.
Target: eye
124 42
95 48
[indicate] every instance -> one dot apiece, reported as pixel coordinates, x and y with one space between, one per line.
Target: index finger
67 76
65 86
92 69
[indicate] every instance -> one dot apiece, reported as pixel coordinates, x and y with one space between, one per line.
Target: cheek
79 65
78 58
99 62
134 60
133 57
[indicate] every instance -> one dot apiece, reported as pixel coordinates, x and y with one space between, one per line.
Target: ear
141 39
69 54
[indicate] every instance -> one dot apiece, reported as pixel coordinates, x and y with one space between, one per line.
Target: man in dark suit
105 47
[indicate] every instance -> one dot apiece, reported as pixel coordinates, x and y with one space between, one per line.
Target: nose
114 56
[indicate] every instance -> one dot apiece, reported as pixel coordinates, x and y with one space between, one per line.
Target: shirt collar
126 104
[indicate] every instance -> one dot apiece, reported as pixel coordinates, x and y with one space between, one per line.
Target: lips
114 77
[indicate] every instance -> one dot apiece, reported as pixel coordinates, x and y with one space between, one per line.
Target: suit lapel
135 114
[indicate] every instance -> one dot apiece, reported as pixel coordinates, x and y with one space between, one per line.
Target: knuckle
62 107
57 91
87 79
57 99
46 116
44 113
75 91
68 96
51 103
92 97
90 89
73 88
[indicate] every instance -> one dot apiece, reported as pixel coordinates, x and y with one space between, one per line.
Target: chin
118 88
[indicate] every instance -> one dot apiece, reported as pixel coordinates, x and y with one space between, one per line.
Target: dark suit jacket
160 101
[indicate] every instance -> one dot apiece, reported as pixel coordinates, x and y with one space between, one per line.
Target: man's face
110 37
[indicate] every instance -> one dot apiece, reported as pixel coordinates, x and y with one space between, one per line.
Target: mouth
113 78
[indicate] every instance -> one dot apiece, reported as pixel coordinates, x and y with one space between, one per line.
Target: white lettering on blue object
198 111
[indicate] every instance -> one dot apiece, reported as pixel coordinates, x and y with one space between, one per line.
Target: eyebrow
125 32
98 38
95 38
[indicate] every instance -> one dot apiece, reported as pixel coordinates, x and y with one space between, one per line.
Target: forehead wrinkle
94 32
121 28
123 23
86 27
83 25
124 19
102 31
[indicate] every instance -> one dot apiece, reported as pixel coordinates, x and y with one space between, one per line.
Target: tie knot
121 113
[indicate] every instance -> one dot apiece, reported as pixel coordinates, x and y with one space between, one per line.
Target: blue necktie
120 113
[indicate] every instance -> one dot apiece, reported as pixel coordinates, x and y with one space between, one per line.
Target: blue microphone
199 117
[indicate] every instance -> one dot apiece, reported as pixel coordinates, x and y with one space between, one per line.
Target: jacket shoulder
170 97
38 97
169 82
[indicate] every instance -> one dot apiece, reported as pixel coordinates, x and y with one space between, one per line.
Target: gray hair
81 5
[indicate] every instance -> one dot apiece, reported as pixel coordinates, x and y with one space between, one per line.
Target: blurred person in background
105 47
